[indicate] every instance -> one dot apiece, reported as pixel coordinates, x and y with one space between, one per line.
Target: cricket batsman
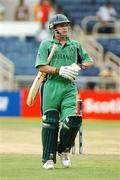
58 92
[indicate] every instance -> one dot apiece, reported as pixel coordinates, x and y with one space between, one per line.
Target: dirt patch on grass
28 141
20 141
101 142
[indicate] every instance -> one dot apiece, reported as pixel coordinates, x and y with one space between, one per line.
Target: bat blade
37 81
34 89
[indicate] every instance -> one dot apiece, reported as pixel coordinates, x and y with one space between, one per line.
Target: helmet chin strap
59 33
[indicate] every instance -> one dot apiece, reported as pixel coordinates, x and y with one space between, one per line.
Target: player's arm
68 72
47 69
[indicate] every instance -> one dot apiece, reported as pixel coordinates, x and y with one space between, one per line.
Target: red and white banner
104 105
100 104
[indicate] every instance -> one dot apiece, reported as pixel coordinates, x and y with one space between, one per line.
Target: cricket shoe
65 160
48 165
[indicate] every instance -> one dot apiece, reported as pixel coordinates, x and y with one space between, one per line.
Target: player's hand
69 72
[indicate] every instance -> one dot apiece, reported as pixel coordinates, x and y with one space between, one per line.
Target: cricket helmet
58 19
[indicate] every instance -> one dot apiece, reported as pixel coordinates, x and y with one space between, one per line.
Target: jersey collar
68 42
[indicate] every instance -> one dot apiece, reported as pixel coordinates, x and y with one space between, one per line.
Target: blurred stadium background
99 87
19 42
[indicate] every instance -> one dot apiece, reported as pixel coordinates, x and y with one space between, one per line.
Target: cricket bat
37 81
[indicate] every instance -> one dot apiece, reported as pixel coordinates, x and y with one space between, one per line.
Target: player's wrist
83 67
57 70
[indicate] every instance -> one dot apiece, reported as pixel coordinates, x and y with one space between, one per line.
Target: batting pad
50 127
68 133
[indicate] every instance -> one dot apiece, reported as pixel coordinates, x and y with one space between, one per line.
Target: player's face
63 28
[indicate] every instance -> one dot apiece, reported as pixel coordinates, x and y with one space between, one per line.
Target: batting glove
69 72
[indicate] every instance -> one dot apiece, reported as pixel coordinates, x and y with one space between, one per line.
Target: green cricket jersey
71 53
60 93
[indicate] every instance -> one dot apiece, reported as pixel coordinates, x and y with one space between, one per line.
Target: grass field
20 152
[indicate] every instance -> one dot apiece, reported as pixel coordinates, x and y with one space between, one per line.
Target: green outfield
20 152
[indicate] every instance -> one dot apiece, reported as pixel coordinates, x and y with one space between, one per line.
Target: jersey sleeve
42 54
84 55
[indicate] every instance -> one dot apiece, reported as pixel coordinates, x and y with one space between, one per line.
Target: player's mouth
65 31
